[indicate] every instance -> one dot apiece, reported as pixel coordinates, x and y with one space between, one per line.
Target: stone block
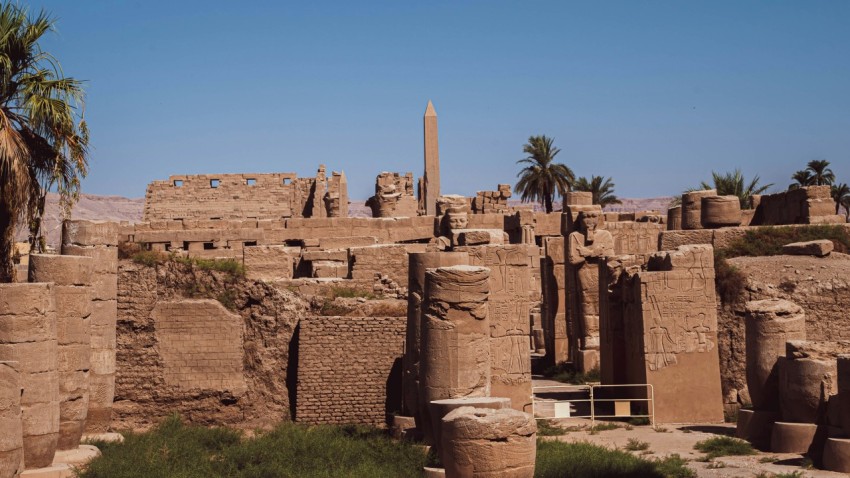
819 248
90 233
836 455
61 270
789 437
478 237
720 211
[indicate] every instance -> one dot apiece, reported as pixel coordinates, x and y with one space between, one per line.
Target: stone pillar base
440 408
434 472
588 360
836 455
792 437
756 427
402 427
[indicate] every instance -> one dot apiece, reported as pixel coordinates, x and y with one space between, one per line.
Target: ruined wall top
243 196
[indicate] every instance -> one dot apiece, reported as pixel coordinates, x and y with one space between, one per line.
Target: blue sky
656 94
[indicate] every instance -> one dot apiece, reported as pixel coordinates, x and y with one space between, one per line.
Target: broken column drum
455 337
417 264
807 378
692 208
28 337
720 211
674 218
72 278
98 240
487 443
769 325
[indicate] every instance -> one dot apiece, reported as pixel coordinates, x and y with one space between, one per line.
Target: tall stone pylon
432 162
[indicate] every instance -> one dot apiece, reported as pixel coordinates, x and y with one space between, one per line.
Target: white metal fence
585 401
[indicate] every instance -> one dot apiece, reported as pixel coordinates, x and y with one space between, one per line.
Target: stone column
808 376
674 218
720 211
487 443
843 367
98 240
455 341
769 324
72 278
417 264
692 208
28 336
11 440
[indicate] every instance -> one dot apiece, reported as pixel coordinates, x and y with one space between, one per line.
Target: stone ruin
491 292
57 350
393 196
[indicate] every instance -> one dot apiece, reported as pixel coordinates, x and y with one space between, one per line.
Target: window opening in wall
251 182
208 246
215 219
178 183
167 246
185 245
214 183
286 181
250 243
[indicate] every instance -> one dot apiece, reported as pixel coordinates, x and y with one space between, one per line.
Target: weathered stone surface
418 264
90 233
11 439
73 305
554 310
455 341
37 366
586 247
720 211
792 437
510 286
843 370
769 324
487 443
756 426
808 377
268 263
836 455
674 218
61 270
478 237
438 409
692 208
805 205
393 196
819 248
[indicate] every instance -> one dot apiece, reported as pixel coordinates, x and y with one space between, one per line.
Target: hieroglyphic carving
510 318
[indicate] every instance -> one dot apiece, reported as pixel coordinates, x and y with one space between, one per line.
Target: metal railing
592 400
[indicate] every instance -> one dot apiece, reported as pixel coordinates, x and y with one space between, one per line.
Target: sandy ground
680 439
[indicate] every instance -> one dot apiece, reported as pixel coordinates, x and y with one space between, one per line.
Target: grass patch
768 241
636 445
566 373
230 266
173 449
547 428
724 446
583 460
149 258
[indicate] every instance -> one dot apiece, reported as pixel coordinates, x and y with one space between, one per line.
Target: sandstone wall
821 286
178 354
808 205
719 238
349 369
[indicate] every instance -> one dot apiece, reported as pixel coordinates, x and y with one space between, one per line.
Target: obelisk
432 162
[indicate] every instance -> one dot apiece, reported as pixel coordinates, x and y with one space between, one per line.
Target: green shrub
636 445
173 449
724 446
768 240
729 282
350 293
149 258
566 373
583 460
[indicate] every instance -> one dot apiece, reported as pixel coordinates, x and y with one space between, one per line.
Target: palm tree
841 195
603 192
43 138
733 184
821 174
542 177
801 178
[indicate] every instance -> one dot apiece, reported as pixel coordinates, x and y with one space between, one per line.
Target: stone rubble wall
349 369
